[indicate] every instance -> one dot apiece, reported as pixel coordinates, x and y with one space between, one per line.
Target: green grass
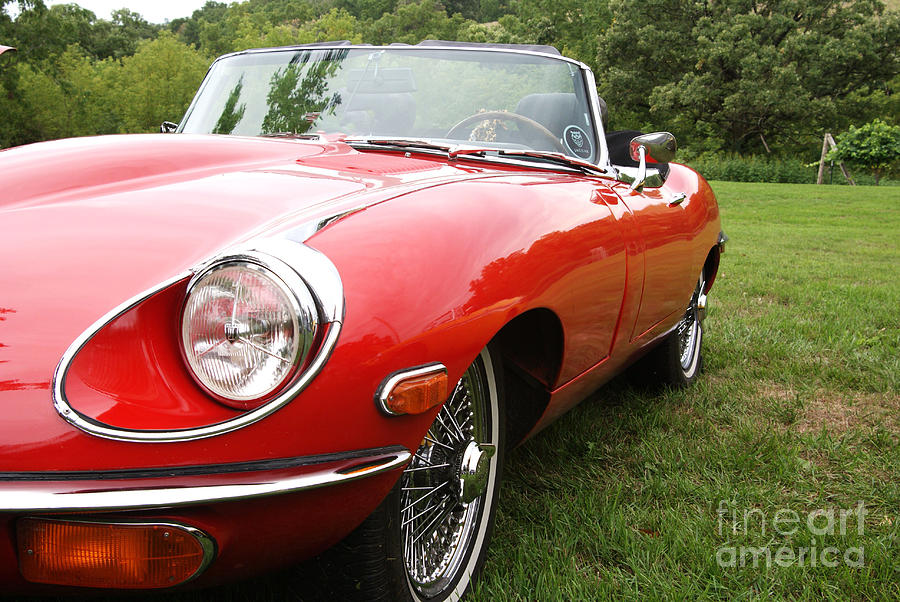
798 409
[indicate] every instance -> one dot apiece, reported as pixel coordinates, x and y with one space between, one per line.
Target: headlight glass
245 331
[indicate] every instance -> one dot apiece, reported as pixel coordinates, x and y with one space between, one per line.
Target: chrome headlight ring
284 258
247 327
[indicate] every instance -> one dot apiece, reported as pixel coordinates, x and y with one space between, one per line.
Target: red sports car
320 310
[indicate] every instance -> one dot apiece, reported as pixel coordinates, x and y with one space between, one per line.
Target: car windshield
490 98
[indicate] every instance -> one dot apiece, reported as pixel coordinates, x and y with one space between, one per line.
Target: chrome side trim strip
323 281
25 500
388 384
207 543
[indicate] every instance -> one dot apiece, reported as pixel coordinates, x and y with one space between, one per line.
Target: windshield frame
587 76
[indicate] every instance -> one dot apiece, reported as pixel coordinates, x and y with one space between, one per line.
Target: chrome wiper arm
454 151
399 143
290 135
556 158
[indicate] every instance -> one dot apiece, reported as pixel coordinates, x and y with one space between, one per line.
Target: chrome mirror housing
658 147
167 127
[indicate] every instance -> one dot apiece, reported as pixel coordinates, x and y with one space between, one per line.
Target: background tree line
748 77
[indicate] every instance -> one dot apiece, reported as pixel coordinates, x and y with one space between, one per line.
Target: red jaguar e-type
323 307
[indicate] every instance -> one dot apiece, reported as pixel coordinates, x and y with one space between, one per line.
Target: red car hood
86 224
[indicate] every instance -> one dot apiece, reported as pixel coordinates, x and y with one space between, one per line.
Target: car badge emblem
577 138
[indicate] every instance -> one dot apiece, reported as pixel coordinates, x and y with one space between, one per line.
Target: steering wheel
519 119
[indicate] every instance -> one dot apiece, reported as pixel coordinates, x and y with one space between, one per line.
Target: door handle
677 199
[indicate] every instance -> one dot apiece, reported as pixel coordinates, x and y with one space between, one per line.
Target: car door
664 219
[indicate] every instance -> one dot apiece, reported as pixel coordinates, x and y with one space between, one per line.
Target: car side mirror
167 127
658 147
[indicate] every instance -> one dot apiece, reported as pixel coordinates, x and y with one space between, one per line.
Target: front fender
433 275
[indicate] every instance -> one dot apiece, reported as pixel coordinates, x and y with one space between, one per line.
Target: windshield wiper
399 143
454 151
556 159
291 135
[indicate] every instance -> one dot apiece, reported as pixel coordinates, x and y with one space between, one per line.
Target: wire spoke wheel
689 329
678 359
447 489
428 539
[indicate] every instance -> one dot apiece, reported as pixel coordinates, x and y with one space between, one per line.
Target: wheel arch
711 266
531 348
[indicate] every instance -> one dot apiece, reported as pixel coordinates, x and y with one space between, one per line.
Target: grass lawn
641 494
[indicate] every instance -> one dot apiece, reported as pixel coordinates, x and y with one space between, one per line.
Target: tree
874 146
572 26
188 30
45 33
157 83
66 98
747 76
120 36
336 24
41 32
367 9
411 23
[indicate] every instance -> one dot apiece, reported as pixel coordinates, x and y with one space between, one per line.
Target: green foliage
188 30
157 83
755 168
746 75
572 26
411 23
336 24
731 167
67 98
43 33
367 9
874 146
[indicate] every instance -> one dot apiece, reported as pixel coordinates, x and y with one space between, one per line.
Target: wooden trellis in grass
829 143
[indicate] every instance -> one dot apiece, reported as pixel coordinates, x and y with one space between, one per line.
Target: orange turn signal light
110 555
414 391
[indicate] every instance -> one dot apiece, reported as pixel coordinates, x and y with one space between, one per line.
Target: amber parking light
118 555
413 391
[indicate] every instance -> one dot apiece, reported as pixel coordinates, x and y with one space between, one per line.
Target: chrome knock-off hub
474 469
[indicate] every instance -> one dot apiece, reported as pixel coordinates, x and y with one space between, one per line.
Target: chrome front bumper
190 485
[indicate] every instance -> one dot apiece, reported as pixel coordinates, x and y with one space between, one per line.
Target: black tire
678 360
375 562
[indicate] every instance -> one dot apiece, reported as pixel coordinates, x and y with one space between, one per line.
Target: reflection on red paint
17 385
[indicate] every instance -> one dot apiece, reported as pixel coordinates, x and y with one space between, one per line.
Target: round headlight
246 331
